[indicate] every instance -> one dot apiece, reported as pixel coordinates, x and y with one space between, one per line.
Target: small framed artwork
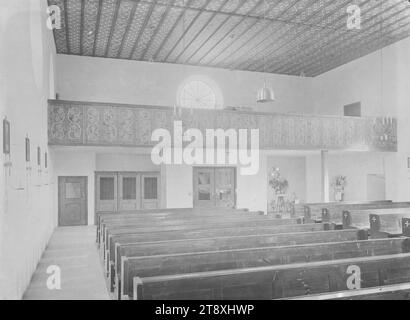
45 160
38 156
27 149
6 136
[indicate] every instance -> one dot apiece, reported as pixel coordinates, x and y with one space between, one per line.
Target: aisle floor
74 251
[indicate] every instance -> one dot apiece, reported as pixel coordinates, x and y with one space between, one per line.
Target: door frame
143 201
235 182
126 174
118 173
60 178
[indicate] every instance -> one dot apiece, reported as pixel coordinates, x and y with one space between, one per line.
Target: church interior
205 149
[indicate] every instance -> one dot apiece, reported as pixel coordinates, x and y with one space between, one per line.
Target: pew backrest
274 282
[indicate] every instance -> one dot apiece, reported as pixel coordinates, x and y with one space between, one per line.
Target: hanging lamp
265 94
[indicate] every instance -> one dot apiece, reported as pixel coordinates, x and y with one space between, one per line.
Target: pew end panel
121 295
406 227
138 287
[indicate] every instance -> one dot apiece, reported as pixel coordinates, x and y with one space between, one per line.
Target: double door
127 191
214 187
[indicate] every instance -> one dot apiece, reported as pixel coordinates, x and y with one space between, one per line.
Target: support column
325 175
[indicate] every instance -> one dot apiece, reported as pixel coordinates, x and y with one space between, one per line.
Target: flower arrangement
277 183
339 182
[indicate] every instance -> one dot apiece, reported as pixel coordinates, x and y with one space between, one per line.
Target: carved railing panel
99 124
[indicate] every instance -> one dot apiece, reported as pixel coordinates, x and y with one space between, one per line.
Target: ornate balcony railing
102 124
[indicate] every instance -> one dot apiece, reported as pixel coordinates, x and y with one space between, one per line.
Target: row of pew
324 251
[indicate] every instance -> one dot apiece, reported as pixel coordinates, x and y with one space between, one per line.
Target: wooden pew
279 281
207 231
399 291
387 225
313 211
359 219
336 215
149 266
170 214
197 223
123 248
193 224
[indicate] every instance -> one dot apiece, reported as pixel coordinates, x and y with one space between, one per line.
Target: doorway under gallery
214 187
126 191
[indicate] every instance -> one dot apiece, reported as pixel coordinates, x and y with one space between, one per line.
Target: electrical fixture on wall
265 94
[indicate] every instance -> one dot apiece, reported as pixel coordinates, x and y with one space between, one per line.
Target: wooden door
129 192
106 192
214 187
204 187
72 201
150 187
225 187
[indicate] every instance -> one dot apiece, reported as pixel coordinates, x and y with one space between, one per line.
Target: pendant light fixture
265 94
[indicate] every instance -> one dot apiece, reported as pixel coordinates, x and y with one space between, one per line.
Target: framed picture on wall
408 162
6 136
27 149
45 160
38 156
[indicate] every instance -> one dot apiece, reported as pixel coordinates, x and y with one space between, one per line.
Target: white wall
133 82
125 162
252 191
26 82
377 80
179 186
381 82
355 166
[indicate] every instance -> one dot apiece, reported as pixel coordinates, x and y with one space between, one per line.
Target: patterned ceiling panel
372 28
74 22
300 35
175 38
107 18
151 26
393 30
296 37
279 35
276 26
340 31
125 12
203 36
91 9
134 28
163 32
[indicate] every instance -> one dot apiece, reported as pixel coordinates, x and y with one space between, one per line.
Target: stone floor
73 249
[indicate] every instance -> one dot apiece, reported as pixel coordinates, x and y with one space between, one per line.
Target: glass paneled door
225 187
150 191
214 187
129 191
106 192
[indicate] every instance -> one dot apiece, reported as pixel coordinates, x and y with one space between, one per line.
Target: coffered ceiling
295 37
